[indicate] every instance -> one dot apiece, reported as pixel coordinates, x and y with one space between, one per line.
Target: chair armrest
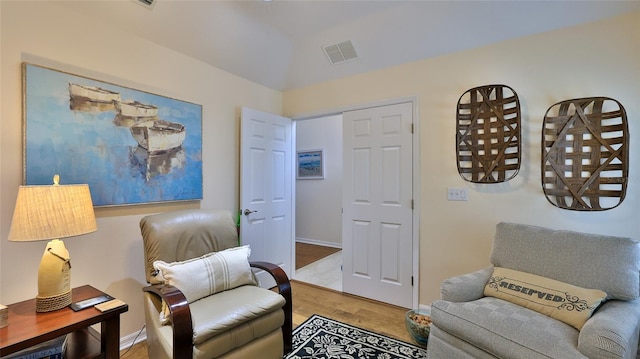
466 287
284 288
612 331
180 318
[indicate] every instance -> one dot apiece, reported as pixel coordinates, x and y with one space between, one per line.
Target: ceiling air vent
146 3
340 52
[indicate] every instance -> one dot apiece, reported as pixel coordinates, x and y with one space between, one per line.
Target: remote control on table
84 304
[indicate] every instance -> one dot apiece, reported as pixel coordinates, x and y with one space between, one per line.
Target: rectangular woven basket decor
488 134
585 154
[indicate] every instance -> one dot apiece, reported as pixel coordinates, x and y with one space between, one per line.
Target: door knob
248 212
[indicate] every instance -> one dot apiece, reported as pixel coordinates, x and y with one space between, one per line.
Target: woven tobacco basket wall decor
488 134
585 154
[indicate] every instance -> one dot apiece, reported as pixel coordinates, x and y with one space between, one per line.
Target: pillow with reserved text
562 301
212 273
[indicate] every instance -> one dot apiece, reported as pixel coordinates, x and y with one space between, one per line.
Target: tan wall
111 259
596 59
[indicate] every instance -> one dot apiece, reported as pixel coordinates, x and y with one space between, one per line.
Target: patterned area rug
323 338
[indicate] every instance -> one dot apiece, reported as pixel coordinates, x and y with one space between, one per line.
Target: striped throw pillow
212 273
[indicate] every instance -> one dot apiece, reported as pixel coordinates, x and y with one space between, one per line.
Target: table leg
110 337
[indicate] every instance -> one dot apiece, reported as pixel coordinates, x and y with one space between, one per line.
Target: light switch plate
457 194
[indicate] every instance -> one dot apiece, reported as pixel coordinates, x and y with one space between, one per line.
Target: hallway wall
319 201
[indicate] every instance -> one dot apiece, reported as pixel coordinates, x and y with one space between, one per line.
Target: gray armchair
468 324
242 322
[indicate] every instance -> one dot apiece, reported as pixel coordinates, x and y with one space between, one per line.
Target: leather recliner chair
243 322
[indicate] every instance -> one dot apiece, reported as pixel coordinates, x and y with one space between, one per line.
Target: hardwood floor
365 313
309 253
138 351
309 299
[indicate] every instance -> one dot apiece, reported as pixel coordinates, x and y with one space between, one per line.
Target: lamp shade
52 212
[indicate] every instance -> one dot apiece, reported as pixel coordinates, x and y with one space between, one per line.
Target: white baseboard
319 242
128 341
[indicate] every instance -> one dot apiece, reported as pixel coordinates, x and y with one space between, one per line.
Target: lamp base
49 304
54 278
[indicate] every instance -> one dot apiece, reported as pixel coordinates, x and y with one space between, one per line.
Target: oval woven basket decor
488 134
585 154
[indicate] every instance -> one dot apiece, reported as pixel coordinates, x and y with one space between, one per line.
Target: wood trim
180 318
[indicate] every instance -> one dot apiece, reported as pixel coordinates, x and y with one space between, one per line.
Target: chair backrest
608 263
181 235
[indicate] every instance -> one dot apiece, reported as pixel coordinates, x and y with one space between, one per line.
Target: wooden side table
27 328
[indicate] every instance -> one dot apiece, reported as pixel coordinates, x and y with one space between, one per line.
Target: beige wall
111 259
597 59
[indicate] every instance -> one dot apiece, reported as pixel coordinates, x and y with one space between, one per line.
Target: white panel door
266 193
377 234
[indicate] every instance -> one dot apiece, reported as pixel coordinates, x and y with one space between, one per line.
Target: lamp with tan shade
50 213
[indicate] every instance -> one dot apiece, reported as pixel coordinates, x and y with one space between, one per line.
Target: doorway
374 153
319 203
396 238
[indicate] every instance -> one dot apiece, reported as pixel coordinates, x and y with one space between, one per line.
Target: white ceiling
279 43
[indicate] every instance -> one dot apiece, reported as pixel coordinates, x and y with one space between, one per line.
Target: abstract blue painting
310 164
129 146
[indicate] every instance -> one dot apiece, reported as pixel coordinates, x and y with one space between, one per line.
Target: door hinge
412 128
412 204
412 281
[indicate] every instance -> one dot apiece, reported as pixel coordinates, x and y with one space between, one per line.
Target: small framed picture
310 164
